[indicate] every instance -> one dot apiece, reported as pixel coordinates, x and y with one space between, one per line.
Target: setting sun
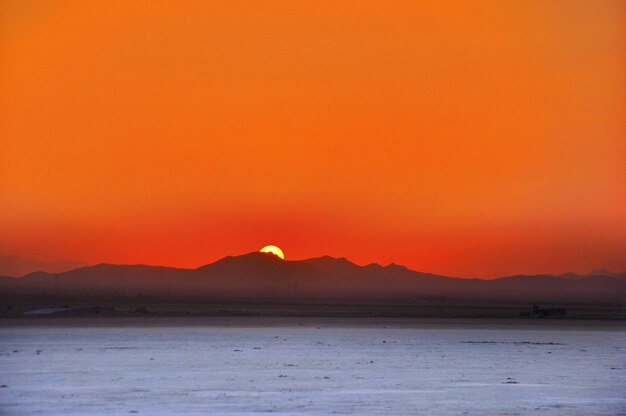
274 250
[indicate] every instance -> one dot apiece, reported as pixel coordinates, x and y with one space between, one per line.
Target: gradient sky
463 138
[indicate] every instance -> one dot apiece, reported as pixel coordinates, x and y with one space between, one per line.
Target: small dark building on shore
537 312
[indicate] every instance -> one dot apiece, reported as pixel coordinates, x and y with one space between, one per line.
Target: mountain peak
248 259
394 266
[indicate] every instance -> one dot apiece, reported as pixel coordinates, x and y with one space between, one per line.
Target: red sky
463 138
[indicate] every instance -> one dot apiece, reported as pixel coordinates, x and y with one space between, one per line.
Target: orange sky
462 138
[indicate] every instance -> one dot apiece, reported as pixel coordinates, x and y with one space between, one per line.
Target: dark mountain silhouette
265 276
605 272
17 266
594 273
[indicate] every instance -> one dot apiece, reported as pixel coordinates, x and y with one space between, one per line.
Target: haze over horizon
473 140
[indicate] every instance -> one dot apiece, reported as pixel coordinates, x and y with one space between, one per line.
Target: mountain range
265 276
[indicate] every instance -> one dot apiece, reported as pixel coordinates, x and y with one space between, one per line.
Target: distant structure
537 312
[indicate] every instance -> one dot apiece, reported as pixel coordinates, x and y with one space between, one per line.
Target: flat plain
298 366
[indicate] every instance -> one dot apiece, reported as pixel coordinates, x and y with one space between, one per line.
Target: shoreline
311 322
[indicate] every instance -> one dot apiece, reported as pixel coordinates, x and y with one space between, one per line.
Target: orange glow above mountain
462 138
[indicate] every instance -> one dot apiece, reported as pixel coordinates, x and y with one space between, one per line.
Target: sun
274 250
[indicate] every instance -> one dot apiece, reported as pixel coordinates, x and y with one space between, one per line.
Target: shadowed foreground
311 366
